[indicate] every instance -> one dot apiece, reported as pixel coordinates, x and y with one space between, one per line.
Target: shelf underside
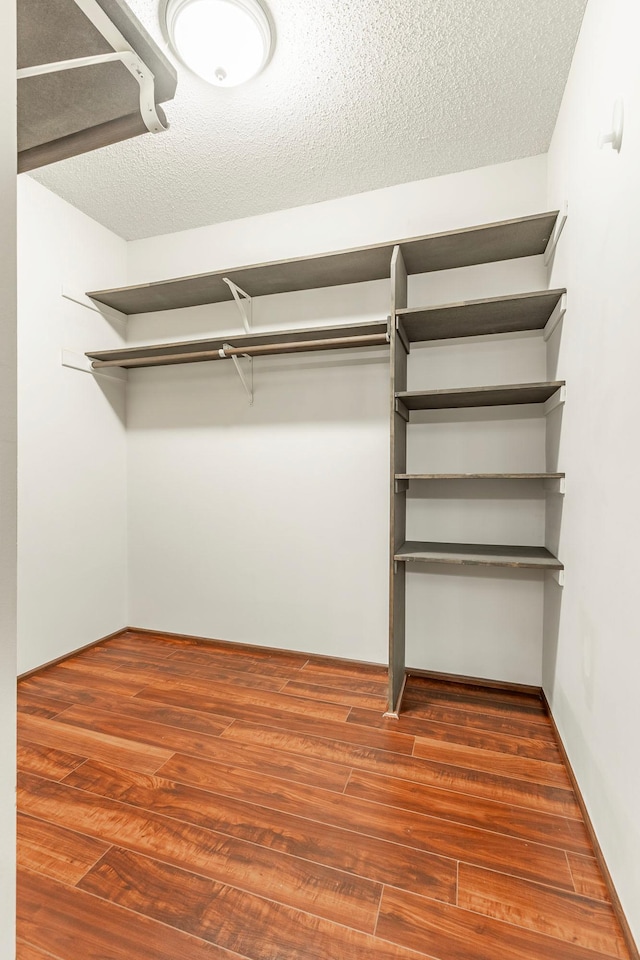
193 351
478 554
472 318
480 476
479 396
487 243
69 112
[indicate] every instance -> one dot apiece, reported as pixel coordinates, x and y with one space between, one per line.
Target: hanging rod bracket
558 576
122 52
245 378
244 303
79 361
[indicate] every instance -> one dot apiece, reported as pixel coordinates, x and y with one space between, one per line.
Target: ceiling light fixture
226 42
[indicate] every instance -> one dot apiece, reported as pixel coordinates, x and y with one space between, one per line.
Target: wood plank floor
180 800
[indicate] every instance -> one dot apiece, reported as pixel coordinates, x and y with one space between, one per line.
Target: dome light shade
226 42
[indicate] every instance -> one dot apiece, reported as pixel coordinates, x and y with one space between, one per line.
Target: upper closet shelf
88 75
472 318
487 243
369 334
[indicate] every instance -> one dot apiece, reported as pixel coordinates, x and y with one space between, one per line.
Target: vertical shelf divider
398 494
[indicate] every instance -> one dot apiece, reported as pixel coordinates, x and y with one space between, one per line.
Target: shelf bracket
555 236
83 301
243 305
245 379
121 52
558 576
558 486
558 398
558 313
401 486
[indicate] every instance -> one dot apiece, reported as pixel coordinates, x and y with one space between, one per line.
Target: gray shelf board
479 396
69 112
156 353
472 318
480 476
478 554
506 240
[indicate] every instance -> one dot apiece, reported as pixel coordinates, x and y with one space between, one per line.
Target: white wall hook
614 136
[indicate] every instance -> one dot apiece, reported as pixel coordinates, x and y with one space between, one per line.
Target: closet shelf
472 318
487 243
478 554
480 476
254 344
479 396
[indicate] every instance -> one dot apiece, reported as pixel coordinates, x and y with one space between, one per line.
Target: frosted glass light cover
226 42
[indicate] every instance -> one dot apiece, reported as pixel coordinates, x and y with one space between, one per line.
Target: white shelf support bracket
555 236
558 398
555 318
558 576
558 486
244 304
245 379
121 52
78 361
83 301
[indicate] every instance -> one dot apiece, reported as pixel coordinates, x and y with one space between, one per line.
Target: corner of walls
71 435
8 493
592 654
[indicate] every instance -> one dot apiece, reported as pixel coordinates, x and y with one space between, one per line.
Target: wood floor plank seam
249 893
40 951
154 920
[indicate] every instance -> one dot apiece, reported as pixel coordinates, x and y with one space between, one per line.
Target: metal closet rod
258 350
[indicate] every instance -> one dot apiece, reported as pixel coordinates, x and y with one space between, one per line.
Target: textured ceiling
359 94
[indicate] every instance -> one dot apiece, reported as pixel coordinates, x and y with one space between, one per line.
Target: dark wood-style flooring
181 801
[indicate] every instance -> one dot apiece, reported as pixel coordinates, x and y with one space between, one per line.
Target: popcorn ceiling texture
359 94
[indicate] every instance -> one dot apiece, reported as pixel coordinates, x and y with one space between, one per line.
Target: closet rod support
242 304
247 381
558 576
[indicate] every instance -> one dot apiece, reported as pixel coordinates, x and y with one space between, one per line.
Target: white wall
592 665
269 524
7 475
72 449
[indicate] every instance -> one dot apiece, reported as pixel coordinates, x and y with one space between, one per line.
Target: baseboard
615 900
72 653
253 647
504 685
